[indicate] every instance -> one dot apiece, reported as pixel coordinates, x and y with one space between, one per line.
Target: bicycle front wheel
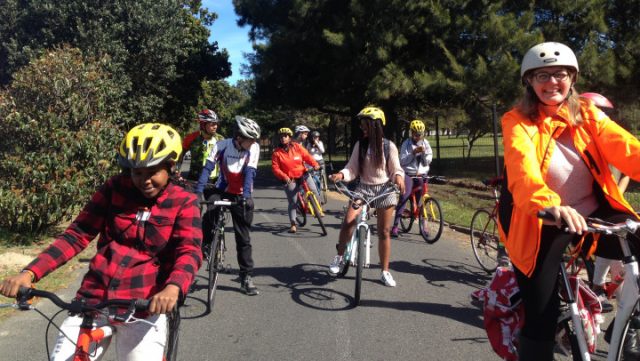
173 333
301 215
629 340
214 266
362 236
430 220
407 218
484 240
317 211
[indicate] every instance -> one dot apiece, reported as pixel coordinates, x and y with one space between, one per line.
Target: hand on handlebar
336 177
165 300
575 223
399 181
10 285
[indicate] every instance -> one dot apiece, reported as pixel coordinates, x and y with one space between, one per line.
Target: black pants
540 291
242 219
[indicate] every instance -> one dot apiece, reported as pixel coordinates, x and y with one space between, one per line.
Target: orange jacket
528 148
291 163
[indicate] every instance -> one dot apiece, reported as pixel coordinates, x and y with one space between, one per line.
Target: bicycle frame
351 252
305 201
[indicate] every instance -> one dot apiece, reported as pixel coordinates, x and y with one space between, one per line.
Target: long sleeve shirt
290 162
372 174
316 150
415 164
144 244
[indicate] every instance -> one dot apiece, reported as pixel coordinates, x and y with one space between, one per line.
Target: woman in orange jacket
557 148
288 164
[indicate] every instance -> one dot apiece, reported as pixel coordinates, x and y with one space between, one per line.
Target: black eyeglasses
543 77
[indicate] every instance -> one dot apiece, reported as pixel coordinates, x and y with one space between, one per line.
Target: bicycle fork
575 314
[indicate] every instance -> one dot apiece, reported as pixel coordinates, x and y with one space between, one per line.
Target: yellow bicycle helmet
417 126
285 131
149 144
372 113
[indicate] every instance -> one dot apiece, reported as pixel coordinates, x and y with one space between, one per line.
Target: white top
415 164
316 150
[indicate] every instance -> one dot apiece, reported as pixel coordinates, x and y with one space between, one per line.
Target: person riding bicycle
288 165
316 148
148 246
557 148
237 158
302 134
415 157
200 143
374 169
604 258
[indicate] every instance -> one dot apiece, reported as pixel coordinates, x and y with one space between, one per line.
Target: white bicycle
360 243
628 299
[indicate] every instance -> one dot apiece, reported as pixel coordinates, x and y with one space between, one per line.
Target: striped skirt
372 190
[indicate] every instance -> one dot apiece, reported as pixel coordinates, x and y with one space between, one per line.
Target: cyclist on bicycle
316 149
200 143
237 158
149 244
374 169
302 134
557 148
415 157
288 165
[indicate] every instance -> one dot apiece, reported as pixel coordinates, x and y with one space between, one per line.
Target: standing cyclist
316 149
375 167
237 158
148 245
557 151
288 165
200 143
415 157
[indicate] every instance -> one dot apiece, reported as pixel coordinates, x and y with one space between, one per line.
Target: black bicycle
214 251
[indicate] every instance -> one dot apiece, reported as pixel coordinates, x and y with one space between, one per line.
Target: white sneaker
387 279
335 265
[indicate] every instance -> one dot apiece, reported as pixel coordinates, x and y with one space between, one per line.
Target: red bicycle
428 214
307 202
89 335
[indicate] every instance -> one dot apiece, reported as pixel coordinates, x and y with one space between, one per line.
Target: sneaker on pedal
336 265
248 287
387 279
395 232
607 306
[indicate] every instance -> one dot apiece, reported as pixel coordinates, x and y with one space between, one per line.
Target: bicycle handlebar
595 225
77 306
342 188
219 203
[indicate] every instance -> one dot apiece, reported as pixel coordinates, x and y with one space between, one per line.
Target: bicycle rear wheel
484 240
362 236
407 218
214 266
173 333
317 211
430 220
301 215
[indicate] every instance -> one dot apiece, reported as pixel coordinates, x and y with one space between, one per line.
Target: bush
58 118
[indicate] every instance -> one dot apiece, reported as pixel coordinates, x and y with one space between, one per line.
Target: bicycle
90 336
429 214
629 301
360 242
320 178
484 234
214 252
307 202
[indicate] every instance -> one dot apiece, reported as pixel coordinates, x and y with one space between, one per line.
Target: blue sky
228 35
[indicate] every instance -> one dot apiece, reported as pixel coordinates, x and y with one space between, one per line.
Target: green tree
159 50
58 120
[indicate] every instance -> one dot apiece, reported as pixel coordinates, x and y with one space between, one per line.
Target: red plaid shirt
135 258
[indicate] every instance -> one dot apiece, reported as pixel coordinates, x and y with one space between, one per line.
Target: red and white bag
503 312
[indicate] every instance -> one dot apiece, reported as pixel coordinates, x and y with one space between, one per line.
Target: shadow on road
438 271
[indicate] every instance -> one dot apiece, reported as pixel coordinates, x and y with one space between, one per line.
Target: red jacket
290 163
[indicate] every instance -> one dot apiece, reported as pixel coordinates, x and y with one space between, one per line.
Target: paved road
302 313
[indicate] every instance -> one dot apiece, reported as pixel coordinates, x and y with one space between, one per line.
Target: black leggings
540 291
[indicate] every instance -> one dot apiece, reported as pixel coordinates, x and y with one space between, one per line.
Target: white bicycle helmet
302 128
546 55
247 128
